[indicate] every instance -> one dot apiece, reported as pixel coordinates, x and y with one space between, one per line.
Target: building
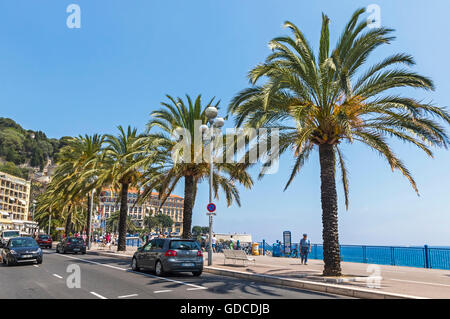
14 204
109 203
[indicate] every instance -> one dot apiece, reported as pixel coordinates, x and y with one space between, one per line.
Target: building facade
14 204
173 207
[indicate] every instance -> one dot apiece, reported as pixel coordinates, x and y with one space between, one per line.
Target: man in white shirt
213 243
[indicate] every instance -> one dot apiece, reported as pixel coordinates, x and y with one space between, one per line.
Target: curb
309 285
294 283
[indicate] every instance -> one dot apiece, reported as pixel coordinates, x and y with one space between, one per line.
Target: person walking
305 249
213 243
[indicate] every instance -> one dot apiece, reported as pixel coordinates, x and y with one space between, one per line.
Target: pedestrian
238 245
305 249
213 243
231 243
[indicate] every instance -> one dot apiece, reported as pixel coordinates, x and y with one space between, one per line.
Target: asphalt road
111 278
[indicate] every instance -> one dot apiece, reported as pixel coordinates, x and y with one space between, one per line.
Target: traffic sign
211 207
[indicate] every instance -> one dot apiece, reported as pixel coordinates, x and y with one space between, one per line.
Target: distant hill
25 151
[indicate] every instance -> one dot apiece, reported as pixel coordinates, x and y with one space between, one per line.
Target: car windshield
184 245
44 237
22 242
76 240
12 233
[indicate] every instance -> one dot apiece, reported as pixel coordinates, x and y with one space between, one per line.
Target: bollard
264 247
427 261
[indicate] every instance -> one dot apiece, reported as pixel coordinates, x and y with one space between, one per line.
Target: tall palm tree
174 165
120 169
321 101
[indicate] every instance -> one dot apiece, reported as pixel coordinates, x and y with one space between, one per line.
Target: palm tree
112 223
178 115
120 169
321 101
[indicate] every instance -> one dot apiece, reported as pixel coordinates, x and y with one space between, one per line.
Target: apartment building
14 204
173 207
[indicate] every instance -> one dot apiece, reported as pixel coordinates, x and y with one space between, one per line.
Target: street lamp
217 122
89 234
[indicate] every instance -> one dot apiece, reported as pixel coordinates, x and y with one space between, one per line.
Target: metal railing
424 257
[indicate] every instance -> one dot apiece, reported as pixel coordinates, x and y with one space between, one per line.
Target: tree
175 165
164 221
321 102
151 222
120 169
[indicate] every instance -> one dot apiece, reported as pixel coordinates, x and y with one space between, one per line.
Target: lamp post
92 180
90 219
218 122
49 220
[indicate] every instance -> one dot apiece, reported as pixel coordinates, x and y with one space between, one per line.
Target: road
110 278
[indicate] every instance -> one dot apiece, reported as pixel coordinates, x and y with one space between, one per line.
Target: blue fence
133 241
425 257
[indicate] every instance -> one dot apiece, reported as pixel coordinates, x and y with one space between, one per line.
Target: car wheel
134 265
39 261
159 271
197 273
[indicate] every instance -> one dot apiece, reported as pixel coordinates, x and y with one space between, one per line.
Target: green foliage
11 168
21 146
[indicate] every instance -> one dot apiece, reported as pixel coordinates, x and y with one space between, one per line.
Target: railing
424 257
133 241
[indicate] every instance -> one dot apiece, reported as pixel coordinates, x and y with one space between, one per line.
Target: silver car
166 255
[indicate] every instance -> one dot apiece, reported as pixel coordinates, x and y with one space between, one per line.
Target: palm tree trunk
188 205
68 228
122 244
88 220
330 233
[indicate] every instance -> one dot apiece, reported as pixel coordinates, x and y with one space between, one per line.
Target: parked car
21 249
166 255
71 245
44 240
6 235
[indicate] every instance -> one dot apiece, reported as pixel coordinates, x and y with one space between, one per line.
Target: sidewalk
420 282
409 281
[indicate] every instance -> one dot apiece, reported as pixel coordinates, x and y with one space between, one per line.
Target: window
184 245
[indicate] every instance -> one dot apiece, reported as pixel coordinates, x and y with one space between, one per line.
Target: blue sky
128 54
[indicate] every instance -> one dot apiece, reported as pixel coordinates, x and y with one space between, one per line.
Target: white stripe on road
136 272
36 266
97 295
197 288
419 282
128 296
159 291
57 276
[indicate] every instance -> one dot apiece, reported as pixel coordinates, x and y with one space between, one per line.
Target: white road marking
128 296
159 291
419 282
97 295
197 288
57 276
36 266
136 272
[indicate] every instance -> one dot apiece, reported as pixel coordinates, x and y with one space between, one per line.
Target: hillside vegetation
21 150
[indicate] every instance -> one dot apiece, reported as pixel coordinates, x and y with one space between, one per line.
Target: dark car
166 255
21 249
44 241
71 245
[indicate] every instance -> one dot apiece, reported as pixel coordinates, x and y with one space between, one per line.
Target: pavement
406 282
104 277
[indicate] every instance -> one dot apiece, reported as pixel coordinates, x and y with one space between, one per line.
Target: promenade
410 281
